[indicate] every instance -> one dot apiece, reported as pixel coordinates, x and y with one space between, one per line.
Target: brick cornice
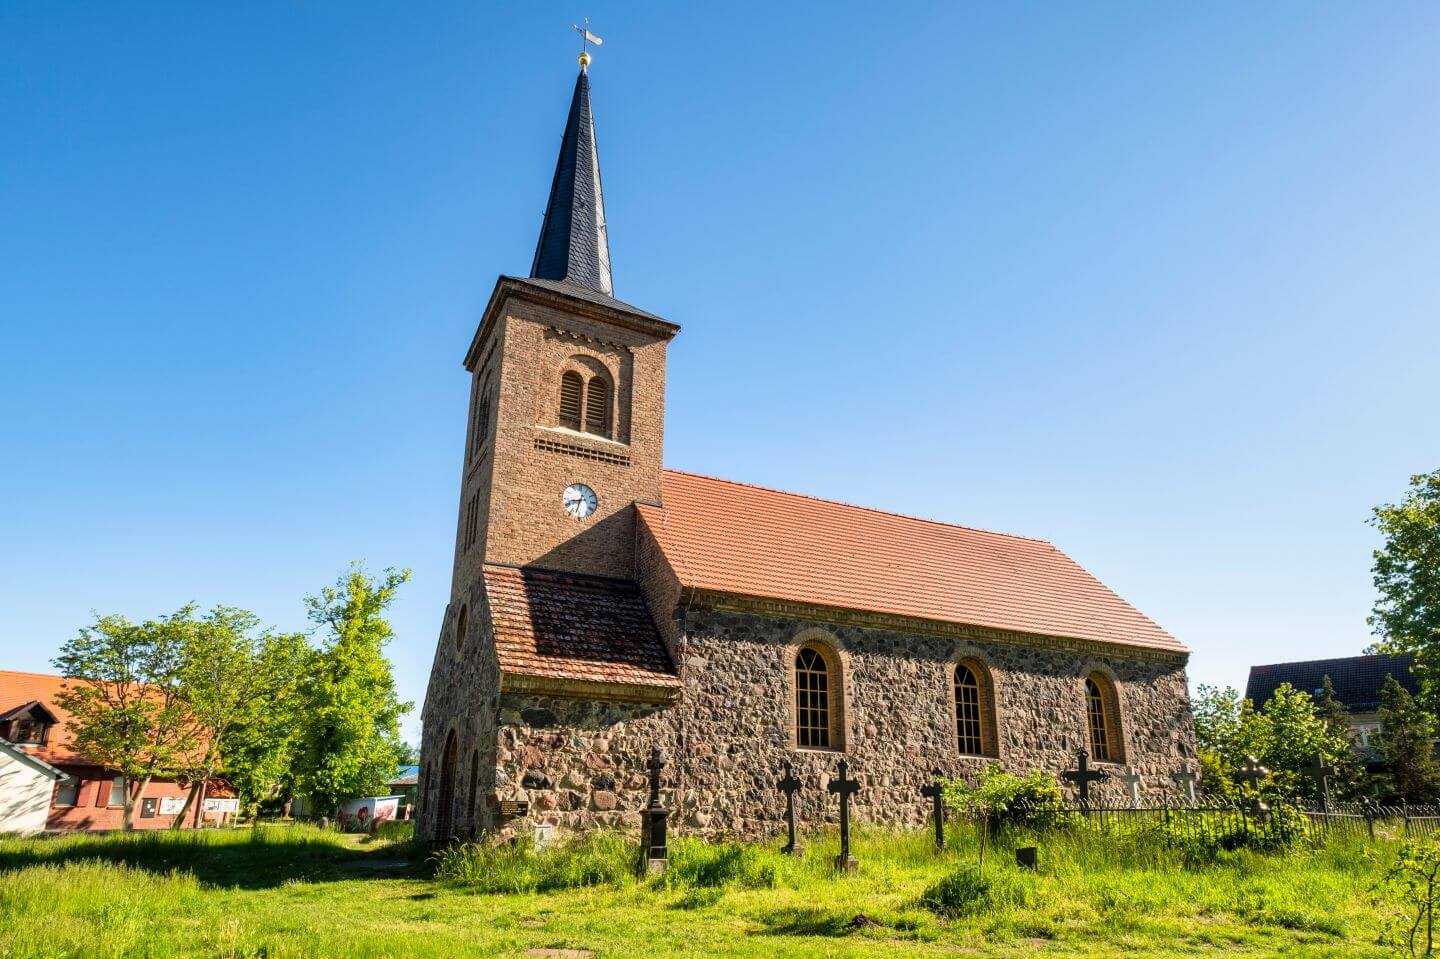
507 287
512 682
788 609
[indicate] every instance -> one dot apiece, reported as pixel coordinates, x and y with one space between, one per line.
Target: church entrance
445 812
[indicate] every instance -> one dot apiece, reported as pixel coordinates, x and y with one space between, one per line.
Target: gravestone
1083 776
1252 773
1187 780
1321 771
1132 780
789 785
935 792
655 855
844 787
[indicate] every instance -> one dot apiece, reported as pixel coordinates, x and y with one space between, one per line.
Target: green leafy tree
1285 735
259 750
1405 744
348 741
126 698
1407 576
1350 778
225 687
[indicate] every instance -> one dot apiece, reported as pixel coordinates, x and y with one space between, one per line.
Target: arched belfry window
819 705
975 732
586 397
572 391
462 623
1102 714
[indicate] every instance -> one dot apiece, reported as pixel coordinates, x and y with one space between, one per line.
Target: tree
409 754
1405 743
259 750
125 697
1350 777
225 686
1285 735
1407 576
348 743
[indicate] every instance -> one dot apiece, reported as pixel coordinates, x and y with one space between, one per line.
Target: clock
578 500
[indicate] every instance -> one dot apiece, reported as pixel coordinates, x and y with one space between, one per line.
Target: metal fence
1235 825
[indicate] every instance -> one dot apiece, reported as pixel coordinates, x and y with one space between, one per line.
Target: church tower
567 408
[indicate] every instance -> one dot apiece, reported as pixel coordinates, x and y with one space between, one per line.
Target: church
603 605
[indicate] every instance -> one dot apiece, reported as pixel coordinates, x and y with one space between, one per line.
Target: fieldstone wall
581 764
735 722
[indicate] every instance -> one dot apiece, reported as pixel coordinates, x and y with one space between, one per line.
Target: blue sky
1155 282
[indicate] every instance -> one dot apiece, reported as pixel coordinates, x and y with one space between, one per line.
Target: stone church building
603 605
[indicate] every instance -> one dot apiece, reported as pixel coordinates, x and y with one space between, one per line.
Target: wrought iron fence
1239 824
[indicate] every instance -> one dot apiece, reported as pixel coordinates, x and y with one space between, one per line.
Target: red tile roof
729 537
16 689
563 626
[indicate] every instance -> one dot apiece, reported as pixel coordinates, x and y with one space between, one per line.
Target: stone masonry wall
582 764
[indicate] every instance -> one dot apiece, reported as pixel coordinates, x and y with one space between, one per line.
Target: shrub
1004 799
961 893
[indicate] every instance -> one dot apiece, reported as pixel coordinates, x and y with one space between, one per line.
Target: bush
961 893
599 859
1033 800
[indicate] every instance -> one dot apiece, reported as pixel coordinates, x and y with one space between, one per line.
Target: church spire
572 246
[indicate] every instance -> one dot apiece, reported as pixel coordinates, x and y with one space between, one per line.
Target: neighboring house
26 785
86 795
1357 681
404 785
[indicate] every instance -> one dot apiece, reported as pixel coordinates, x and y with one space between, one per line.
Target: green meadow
294 891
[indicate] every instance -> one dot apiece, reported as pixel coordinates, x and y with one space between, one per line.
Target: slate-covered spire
572 246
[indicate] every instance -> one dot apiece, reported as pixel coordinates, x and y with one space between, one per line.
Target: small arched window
975 732
572 389
1102 713
819 722
462 623
597 406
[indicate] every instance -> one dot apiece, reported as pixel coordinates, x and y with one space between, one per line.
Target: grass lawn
281 891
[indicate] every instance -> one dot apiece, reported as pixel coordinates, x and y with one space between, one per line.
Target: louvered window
1096 712
812 700
571 388
597 407
482 419
969 727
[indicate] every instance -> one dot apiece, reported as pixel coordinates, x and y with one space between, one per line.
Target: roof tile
733 538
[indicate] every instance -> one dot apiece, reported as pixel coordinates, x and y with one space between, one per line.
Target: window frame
1102 700
74 784
117 782
834 697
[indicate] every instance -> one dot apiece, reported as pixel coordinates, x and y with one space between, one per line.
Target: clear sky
1157 282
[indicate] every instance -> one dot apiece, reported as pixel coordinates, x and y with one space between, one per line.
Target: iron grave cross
1253 773
1321 771
789 785
844 787
936 794
1084 776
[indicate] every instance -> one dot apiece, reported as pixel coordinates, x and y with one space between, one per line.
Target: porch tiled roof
563 626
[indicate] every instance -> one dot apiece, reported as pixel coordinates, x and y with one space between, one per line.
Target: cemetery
1050 870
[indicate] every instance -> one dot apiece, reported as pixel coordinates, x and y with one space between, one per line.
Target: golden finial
586 38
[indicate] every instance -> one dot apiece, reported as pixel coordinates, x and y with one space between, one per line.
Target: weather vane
586 38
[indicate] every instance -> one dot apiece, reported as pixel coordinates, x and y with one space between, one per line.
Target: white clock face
578 500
